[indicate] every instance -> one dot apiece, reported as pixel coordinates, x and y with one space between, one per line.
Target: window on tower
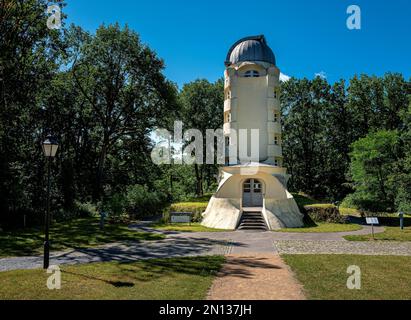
228 95
227 117
276 93
276 117
251 74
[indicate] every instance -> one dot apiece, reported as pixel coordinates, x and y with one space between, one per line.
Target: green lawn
168 279
390 234
324 227
325 276
72 234
305 200
185 227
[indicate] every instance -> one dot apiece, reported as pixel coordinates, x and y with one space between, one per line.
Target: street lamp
50 147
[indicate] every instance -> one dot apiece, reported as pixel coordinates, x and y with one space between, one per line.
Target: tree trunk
199 179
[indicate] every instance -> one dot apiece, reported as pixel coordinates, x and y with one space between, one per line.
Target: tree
373 169
121 80
29 53
202 108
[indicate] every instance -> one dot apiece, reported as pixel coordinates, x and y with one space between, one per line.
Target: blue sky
307 37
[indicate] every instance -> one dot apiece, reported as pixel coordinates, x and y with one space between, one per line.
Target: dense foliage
103 94
354 139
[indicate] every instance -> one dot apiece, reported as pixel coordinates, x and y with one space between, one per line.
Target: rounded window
251 74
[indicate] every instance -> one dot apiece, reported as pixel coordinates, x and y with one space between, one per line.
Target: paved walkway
216 243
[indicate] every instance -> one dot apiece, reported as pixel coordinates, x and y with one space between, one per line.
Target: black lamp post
50 147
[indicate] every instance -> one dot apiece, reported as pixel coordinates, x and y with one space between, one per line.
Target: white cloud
284 77
321 74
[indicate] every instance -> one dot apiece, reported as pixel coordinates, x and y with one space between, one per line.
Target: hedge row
325 213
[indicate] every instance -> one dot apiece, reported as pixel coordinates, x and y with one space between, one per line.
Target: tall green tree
202 108
29 57
373 169
121 81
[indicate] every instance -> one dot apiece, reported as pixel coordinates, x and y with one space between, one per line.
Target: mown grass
319 227
325 276
304 200
185 227
78 233
159 279
390 234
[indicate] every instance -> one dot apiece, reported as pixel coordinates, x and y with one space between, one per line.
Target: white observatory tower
252 191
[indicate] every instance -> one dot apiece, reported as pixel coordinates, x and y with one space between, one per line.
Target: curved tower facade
252 98
252 191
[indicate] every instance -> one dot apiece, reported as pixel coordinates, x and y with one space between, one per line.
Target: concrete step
252 221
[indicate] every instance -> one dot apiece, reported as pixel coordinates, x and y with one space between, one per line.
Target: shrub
365 202
141 202
197 208
86 209
325 213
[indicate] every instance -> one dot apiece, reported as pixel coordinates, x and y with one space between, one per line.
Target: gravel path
343 247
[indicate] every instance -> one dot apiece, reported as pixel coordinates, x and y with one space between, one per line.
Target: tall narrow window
275 116
227 141
276 93
228 95
227 117
276 140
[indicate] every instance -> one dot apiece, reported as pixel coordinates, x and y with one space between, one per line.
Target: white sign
180 217
372 220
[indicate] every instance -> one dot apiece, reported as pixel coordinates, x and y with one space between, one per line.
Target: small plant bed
324 277
195 208
78 233
324 227
185 227
156 279
390 234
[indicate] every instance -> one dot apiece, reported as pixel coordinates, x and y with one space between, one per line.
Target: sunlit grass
165 279
185 227
323 227
390 234
324 277
78 233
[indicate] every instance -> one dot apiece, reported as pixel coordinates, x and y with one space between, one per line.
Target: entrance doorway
252 193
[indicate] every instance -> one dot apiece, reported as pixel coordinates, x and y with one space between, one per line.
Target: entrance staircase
252 220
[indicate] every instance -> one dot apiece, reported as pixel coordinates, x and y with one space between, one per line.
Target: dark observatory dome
251 49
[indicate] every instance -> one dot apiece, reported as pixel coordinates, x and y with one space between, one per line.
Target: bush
114 206
86 209
325 213
364 202
141 202
197 208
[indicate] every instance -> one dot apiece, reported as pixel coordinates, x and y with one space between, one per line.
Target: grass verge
325 276
78 233
185 227
319 227
158 279
390 234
